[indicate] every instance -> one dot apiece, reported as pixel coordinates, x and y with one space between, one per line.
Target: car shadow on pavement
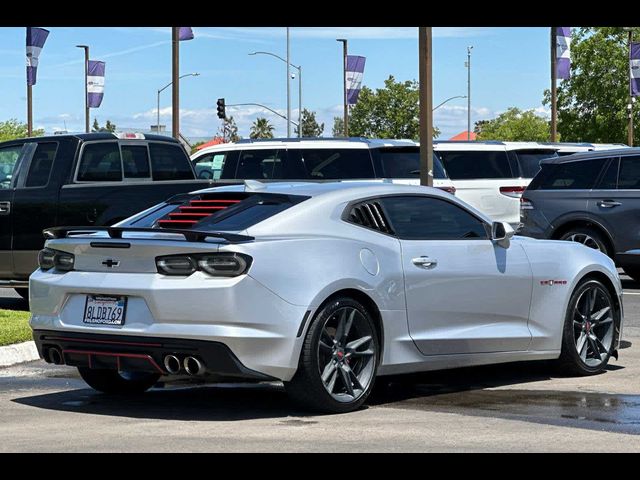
14 303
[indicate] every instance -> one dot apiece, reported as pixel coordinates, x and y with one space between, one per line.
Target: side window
41 163
326 164
578 175
8 159
260 164
475 165
100 162
169 162
429 218
210 166
609 180
629 173
135 161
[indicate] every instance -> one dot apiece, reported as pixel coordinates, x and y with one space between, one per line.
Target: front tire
590 330
339 359
113 381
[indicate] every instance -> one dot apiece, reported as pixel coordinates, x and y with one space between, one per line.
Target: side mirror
501 233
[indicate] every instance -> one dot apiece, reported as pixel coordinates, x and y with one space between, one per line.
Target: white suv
317 159
491 175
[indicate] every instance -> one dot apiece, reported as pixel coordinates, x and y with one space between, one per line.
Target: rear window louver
370 215
195 210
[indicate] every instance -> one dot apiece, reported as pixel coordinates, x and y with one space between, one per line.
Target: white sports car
322 286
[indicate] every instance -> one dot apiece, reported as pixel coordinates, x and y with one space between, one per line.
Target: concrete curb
18 353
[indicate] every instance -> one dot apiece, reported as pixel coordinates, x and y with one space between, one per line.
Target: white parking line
630 293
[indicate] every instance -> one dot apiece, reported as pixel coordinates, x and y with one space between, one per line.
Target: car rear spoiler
116 232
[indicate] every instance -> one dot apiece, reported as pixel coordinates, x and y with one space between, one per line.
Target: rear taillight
214 264
451 189
62 261
525 204
513 192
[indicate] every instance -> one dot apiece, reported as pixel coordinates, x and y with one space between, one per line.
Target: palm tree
261 128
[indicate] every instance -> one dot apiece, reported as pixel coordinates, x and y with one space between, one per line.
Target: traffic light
221 111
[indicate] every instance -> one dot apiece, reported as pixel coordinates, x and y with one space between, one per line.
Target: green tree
12 129
261 128
229 130
592 104
310 127
389 112
514 125
194 147
338 127
108 127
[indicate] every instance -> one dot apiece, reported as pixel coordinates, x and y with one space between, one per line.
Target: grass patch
14 327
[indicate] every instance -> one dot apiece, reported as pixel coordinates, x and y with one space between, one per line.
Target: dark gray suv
592 198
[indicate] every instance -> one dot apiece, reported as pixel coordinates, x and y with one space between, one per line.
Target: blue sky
510 67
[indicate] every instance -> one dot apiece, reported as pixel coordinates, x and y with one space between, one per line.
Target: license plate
105 310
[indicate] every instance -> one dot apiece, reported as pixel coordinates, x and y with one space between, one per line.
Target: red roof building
462 136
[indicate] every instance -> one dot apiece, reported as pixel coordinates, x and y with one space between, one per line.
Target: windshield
529 161
404 162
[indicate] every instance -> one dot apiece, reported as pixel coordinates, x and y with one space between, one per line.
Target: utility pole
554 81
288 86
86 86
175 104
469 48
631 99
344 84
426 105
29 111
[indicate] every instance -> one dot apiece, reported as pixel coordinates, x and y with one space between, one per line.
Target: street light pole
554 81
448 100
344 84
261 106
175 72
631 99
469 48
299 68
86 87
288 86
195 74
426 105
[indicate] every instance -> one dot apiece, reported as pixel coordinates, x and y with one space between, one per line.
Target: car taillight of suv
513 192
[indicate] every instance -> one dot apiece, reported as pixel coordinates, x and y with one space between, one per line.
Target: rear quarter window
100 162
329 164
169 162
404 162
578 175
471 165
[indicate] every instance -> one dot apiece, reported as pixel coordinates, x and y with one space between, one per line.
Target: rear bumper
145 354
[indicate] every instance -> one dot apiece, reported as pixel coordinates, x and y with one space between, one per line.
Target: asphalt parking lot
517 407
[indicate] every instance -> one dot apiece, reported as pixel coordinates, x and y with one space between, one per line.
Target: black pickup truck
85 179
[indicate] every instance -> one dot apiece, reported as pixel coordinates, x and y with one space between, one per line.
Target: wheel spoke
580 345
341 325
594 347
332 382
364 353
358 343
600 345
347 327
604 322
354 377
592 300
328 370
327 336
347 381
600 313
325 347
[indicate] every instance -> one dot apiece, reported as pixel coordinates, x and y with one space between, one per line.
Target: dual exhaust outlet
191 365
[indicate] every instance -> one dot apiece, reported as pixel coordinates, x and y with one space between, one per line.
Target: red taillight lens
451 190
513 192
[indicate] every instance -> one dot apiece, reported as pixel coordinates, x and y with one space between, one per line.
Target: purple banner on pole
35 41
185 33
634 64
563 52
95 83
355 72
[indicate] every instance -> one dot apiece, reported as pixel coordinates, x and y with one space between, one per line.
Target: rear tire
112 381
589 237
23 292
591 330
339 359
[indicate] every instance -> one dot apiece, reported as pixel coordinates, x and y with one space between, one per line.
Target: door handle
425 262
608 203
5 208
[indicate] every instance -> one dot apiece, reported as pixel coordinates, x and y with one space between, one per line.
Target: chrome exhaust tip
193 366
54 355
172 364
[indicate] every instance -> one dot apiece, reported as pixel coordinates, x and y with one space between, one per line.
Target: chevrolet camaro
323 286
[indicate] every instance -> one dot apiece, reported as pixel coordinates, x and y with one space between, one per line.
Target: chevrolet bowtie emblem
110 263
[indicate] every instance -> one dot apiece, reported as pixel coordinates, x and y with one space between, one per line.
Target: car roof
489 145
319 143
98 136
593 154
